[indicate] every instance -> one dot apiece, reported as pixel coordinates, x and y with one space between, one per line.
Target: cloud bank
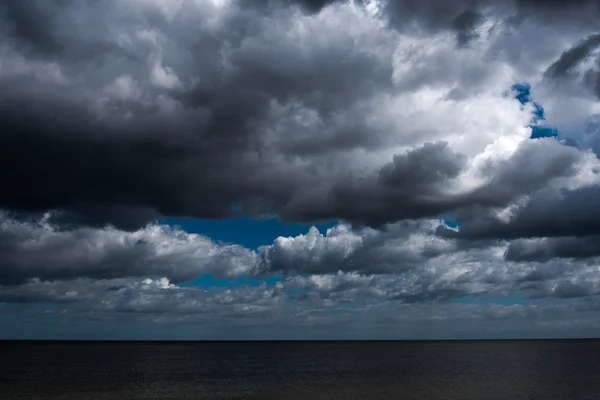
404 123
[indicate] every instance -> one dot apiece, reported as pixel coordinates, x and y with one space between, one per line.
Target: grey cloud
435 12
408 187
56 166
113 118
592 79
531 168
70 291
558 279
436 15
450 274
433 15
208 121
109 274
548 214
578 13
244 302
28 23
465 25
399 247
573 56
311 6
36 250
93 178
546 249
555 4
562 69
569 289
311 293
430 165
415 185
158 299
314 5
130 160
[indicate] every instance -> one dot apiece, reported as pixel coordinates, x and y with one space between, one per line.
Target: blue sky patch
523 92
243 231
451 223
209 281
538 129
542 132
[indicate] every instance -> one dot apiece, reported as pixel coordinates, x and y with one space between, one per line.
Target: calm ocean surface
542 370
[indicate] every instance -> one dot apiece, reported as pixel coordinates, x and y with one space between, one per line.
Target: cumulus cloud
39 250
399 248
317 112
381 116
405 261
544 249
549 214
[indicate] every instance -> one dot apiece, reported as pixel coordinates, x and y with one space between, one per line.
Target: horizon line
293 340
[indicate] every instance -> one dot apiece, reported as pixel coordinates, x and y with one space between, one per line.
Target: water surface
544 370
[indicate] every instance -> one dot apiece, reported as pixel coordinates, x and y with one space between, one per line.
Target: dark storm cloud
259 119
314 5
408 187
592 80
311 6
92 171
573 56
556 247
465 25
119 113
432 15
28 24
435 9
463 16
562 69
57 156
415 185
97 215
587 10
572 213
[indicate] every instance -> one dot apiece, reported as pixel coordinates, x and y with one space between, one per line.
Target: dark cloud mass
393 120
549 248
27 23
570 213
465 25
573 56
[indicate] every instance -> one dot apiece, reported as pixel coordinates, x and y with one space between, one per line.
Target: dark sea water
542 370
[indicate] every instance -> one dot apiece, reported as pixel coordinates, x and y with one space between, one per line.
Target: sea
462 370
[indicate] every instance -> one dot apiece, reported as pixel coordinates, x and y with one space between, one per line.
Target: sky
299 169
